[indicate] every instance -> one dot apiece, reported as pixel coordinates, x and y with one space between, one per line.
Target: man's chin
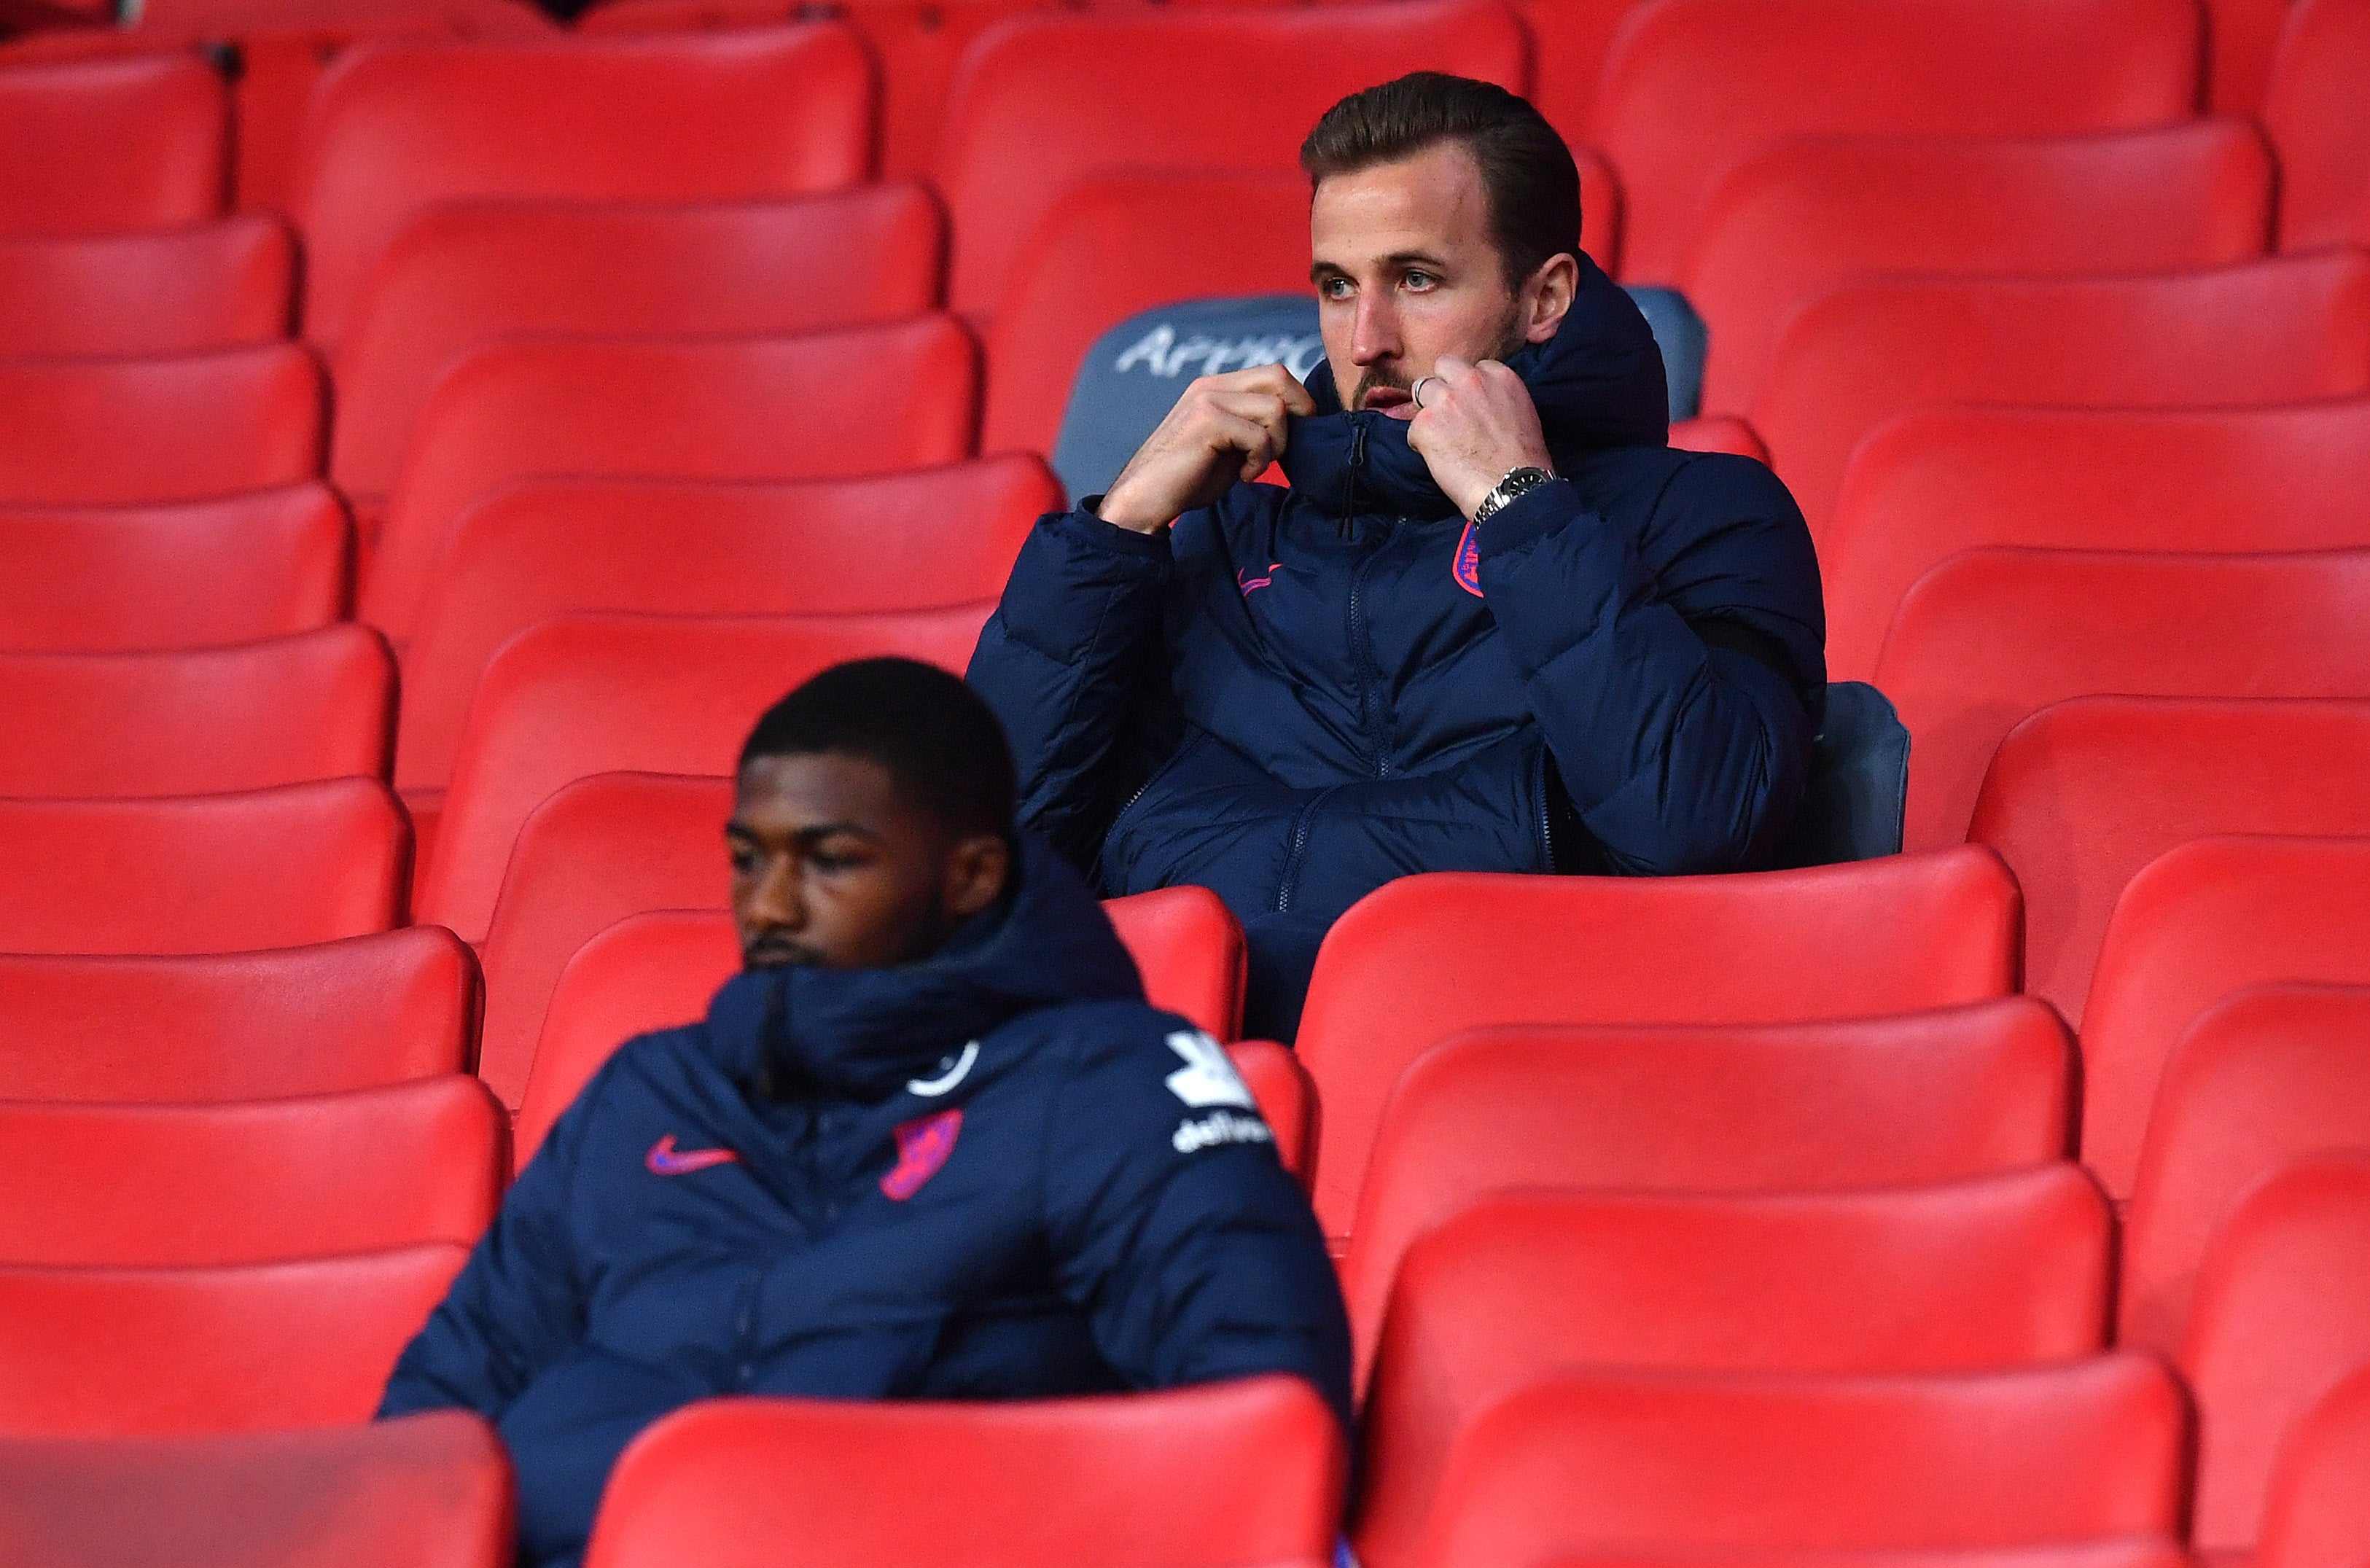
774 958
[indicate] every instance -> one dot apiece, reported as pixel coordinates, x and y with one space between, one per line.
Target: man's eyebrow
807 837
1321 270
1416 258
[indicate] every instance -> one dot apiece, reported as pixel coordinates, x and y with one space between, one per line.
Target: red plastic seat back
1691 87
122 1352
469 274
1189 948
1801 215
1430 956
2084 793
2314 114
428 1491
394 128
2282 331
2281 1316
2317 1513
220 285
1923 1096
1014 1484
822 405
123 431
2003 1271
105 146
2201 921
203 873
1993 636
2127 1553
293 1020
1932 482
317 705
1044 101
542 548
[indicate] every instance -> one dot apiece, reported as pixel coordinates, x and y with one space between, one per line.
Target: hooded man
931 1144
1495 624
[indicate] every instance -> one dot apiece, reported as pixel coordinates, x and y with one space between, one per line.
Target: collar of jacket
1598 382
861 1034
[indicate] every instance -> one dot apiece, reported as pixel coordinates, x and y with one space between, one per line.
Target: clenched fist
1478 424
1224 431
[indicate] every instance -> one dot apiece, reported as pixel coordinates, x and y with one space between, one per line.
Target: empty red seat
1923 1096
1692 86
1718 433
2003 1270
1803 214
1570 40
294 1021
201 873
2281 1316
2240 36
394 128
898 396
122 431
2317 1512
317 705
2133 1553
538 549
1189 948
1932 482
1991 636
222 285
1839 942
110 580
1044 101
429 1490
469 274
2281 331
2314 111
1013 1484
2204 920
1655 1465
105 146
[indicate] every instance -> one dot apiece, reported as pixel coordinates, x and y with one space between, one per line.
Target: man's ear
1547 296
977 871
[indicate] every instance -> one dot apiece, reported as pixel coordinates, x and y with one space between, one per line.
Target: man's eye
743 861
1419 280
829 865
1336 288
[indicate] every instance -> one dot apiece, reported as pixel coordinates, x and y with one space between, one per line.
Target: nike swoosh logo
662 1160
931 1088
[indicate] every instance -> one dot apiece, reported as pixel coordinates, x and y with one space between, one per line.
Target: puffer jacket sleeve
1681 756
1194 1254
1066 660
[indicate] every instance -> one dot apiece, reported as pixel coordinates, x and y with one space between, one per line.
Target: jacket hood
861 1034
1598 382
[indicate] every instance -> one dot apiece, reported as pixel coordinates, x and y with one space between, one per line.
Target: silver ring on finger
1415 393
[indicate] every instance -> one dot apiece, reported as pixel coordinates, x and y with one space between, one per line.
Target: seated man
926 1147
1496 624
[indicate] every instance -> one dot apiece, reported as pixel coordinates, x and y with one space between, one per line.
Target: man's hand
1478 424
1224 431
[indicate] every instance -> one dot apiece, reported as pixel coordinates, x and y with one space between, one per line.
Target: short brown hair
1533 184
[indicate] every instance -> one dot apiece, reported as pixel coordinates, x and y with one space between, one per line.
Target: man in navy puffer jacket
1495 624
933 1144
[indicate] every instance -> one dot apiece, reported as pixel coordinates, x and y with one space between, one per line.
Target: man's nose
1375 336
779 903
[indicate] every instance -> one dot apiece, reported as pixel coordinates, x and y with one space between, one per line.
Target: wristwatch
1521 481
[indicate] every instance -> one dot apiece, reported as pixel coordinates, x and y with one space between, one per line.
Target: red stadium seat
602 693
396 128
1044 101
1661 1465
2281 331
429 1490
2240 37
469 274
222 285
2003 1271
899 397
1935 481
2282 1314
2086 792
1718 433
539 550
1570 40
1248 1472
2314 111
1923 1096
296 1021
123 431
2317 1513
2207 918
1801 215
2272 1074
116 580
1693 87
201 873
107 146
1189 948
1992 636
2138 1552
317 705
178 1186
125 1352
1781 947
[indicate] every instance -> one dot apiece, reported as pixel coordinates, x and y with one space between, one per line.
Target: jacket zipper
1349 526
1285 884
1546 813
